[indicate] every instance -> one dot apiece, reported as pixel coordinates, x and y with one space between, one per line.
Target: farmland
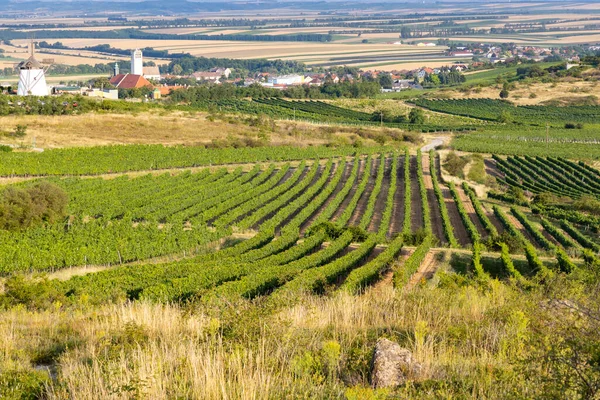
254 240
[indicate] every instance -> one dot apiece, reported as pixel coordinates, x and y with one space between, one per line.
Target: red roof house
129 81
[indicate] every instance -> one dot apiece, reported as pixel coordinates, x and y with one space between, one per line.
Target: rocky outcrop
392 365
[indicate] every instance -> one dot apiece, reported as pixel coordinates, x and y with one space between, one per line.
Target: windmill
32 76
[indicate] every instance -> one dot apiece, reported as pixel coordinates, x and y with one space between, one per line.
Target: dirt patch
491 169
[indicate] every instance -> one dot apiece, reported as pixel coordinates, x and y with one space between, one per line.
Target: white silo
137 63
32 77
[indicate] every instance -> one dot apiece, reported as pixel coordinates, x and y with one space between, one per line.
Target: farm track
471 211
340 185
364 198
398 206
381 199
416 206
340 210
436 217
459 228
425 271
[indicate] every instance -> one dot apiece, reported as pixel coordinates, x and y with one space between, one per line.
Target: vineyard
335 223
319 111
490 110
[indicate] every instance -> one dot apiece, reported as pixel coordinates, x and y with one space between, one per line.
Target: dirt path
466 200
381 198
364 198
398 208
434 144
361 168
434 209
425 271
341 183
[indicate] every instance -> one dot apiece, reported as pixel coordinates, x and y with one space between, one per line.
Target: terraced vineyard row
388 201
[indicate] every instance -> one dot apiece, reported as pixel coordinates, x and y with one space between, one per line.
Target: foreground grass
473 342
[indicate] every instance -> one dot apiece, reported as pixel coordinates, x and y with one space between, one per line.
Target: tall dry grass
317 348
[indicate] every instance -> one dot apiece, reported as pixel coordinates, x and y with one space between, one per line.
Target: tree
416 116
504 93
177 69
385 80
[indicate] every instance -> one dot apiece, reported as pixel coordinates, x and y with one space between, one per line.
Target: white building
137 63
32 77
152 72
287 80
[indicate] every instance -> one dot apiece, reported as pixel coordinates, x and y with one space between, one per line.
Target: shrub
416 116
21 208
456 164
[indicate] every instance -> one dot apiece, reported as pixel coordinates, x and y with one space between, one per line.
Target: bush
416 116
21 208
456 164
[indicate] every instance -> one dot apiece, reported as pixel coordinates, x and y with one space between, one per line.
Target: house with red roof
130 81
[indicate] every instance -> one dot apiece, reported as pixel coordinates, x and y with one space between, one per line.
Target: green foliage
411 265
416 116
23 385
22 208
369 272
448 228
456 164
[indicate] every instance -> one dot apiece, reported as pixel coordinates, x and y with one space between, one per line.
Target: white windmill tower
32 76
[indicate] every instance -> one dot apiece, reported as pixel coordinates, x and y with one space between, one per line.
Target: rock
392 364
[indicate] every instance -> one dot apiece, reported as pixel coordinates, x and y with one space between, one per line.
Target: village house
129 81
207 76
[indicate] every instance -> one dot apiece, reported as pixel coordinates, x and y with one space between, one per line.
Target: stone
392 365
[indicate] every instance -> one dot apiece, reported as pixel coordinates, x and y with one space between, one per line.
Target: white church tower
32 76
137 64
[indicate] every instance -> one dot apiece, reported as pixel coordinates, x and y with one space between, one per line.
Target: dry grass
162 352
174 128
543 92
